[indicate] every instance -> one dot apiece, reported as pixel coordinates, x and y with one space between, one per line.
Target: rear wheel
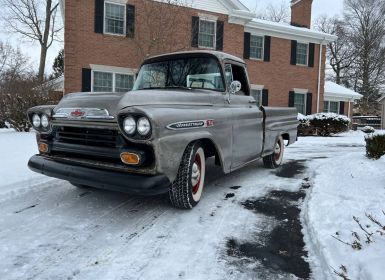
275 159
186 191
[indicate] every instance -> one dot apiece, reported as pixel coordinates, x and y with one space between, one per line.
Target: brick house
106 41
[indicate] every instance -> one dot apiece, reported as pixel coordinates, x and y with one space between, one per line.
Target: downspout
319 75
349 108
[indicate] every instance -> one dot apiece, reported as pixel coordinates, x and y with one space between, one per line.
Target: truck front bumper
100 178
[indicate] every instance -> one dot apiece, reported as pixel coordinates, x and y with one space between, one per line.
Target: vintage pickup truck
184 108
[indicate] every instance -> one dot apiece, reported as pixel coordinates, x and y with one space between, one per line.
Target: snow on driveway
53 230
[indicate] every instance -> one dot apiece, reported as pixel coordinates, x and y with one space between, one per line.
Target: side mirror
235 87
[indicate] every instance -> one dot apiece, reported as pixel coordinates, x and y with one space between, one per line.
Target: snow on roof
337 91
290 30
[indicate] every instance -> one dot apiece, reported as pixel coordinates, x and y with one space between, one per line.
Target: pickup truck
184 108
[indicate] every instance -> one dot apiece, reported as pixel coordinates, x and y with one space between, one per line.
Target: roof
288 31
338 92
219 55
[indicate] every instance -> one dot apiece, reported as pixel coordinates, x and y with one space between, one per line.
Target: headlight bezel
136 136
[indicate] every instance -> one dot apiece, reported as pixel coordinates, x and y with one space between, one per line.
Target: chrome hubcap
196 174
277 151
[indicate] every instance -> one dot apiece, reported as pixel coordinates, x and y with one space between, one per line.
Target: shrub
375 145
323 124
368 129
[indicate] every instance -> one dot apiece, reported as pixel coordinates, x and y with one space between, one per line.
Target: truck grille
87 136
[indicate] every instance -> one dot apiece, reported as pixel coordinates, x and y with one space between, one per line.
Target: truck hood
114 102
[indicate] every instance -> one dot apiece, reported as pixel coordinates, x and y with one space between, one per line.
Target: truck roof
219 55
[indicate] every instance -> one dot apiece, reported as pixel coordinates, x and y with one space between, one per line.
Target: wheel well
211 150
286 136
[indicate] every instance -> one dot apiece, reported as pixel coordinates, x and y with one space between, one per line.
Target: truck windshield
190 73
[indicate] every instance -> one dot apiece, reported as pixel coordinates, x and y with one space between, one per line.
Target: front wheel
186 191
275 159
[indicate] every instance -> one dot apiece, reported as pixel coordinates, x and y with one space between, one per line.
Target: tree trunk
44 41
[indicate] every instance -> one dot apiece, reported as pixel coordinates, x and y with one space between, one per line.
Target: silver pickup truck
184 108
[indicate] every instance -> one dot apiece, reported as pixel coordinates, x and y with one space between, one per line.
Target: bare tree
365 21
19 89
340 53
34 20
278 13
163 25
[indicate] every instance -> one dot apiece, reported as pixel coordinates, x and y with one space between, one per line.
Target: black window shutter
86 80
220 35
309 103
293 59
291 99
342 108
246 49
130 22
267 48
195 32
311 54
265 97
99 16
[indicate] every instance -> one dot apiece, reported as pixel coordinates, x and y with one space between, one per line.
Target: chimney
301 13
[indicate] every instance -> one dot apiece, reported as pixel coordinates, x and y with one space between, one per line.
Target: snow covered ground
52 230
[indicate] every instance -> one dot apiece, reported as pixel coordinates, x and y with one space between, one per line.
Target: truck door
247 119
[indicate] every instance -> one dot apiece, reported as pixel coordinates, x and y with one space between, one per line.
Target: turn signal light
43 148
130 158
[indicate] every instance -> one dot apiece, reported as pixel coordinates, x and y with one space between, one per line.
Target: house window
207 31
256 47
257 94
114 18
302 53
103 82
331 107
112 82
300 103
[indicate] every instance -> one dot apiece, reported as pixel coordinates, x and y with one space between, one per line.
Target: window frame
114 73
307 54
263 47
215 33
304 101
328 107
124 20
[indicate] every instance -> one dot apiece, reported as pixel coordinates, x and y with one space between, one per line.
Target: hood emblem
77 113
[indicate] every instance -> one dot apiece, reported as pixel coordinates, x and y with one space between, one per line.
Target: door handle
252 102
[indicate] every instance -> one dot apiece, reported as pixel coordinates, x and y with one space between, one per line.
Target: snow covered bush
323 124
375 145
368 129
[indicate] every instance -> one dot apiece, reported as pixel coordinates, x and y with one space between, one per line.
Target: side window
239 74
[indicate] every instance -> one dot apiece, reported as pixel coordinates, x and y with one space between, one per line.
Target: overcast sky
320 7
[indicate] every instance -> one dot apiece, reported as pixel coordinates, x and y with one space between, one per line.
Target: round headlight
129 125
144 126
36 120
45 121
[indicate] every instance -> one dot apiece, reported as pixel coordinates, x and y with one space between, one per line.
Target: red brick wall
84 47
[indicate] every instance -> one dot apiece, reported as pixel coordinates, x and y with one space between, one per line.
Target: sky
320 7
